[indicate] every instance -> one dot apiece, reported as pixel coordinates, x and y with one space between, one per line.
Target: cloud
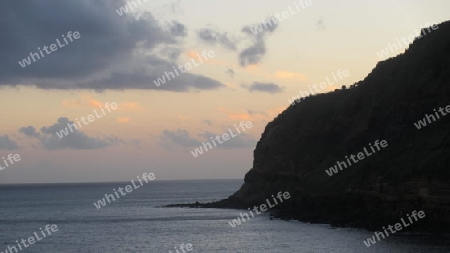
290 75
230 72
181 138
95 103
123 120
113 52
139 79
6 143
170 53
212 37
96 21
74 140
84 101
29 131
192 54
254 53
263 87
178 29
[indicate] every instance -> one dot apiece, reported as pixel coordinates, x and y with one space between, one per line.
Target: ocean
137 223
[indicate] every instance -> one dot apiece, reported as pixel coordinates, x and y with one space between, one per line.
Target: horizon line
107 182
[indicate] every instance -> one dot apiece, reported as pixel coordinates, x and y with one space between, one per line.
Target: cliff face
411 173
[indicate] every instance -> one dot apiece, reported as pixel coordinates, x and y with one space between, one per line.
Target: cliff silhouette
309 137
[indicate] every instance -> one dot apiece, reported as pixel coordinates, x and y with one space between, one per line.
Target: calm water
135 223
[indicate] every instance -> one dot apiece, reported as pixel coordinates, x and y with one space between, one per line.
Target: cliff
411 173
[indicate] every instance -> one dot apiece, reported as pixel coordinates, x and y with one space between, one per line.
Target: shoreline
369 224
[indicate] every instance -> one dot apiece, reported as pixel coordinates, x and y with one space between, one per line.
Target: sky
116 56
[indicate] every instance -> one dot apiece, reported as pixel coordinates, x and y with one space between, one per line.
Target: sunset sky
117 58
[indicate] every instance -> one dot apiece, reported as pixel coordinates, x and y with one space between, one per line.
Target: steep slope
411 173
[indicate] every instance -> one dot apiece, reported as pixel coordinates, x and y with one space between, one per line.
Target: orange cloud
123 120
95 103
191 54
85 101
195 54
282 75
290 75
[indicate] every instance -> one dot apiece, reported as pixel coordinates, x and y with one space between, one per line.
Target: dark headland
412 173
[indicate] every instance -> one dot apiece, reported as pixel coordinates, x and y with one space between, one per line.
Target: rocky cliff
411 173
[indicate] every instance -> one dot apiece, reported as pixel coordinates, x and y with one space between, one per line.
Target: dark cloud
182 138
29 131
254 53
6 143
105 38
169 53
178 29
263 87
140 79
74 139
230 72
110 46
212 37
